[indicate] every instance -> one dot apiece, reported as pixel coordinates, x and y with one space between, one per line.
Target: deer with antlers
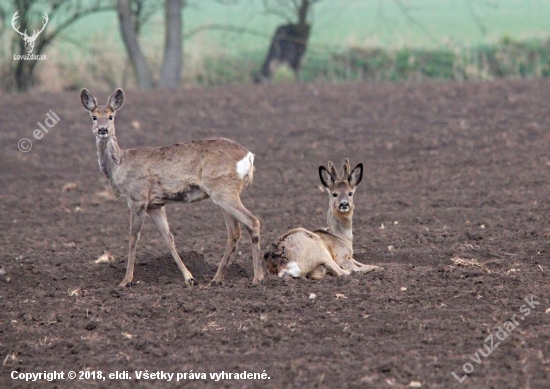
302 253
150 178
29 40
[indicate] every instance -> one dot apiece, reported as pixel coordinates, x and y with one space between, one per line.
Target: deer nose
102 130
344 204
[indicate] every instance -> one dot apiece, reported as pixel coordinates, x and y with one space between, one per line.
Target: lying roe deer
150 178
302 253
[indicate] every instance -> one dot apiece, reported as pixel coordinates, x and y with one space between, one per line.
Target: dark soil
452 170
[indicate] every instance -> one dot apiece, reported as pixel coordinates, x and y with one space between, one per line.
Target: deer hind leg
318 273
316 257
233 206
334 269
234 233
137 217
159 218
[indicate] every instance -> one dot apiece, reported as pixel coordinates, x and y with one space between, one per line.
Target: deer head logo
29 40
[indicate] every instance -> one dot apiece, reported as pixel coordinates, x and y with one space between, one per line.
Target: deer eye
111 117
335 195
94 117
350 194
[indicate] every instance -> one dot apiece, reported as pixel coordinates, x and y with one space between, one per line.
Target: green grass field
381 23
343 23
419 38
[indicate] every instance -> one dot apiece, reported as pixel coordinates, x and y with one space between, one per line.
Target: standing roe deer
150 178
302 253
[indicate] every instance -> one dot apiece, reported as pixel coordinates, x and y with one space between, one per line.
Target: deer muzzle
102 132
344 206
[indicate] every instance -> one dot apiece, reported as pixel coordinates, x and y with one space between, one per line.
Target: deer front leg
158 215
365 268
334 269
137 217
234 233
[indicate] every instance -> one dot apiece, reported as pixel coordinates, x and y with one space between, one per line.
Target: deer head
29 40
103 116
341 189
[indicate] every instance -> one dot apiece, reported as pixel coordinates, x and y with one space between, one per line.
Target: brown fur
305 249
275 258
302 253
150 178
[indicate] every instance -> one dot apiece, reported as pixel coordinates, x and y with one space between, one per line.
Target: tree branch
405 10
476 17
302 12
223 27
277 11
76 15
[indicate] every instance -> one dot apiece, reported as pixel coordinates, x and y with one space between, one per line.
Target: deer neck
109 156
341 227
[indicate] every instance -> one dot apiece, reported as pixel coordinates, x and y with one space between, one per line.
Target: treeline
288 56
507 58
32 39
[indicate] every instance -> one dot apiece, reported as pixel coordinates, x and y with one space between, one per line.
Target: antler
347 170
36 33
333 172
15 16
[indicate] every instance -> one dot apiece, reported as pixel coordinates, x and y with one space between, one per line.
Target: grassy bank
508 58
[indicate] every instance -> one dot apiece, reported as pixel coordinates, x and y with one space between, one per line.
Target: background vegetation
226 42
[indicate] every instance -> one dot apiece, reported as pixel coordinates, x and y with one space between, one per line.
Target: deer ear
326 178
356 175
116 99
88 101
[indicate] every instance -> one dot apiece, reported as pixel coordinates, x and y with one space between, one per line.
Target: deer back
185 172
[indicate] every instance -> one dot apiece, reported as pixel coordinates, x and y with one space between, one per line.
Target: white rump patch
292 268
245 164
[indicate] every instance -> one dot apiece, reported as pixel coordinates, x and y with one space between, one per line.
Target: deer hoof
191 282
215 282
257 281
125 283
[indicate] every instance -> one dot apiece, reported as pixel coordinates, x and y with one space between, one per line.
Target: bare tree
289 43
2 20
170 73
129 32
63 12
132 14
